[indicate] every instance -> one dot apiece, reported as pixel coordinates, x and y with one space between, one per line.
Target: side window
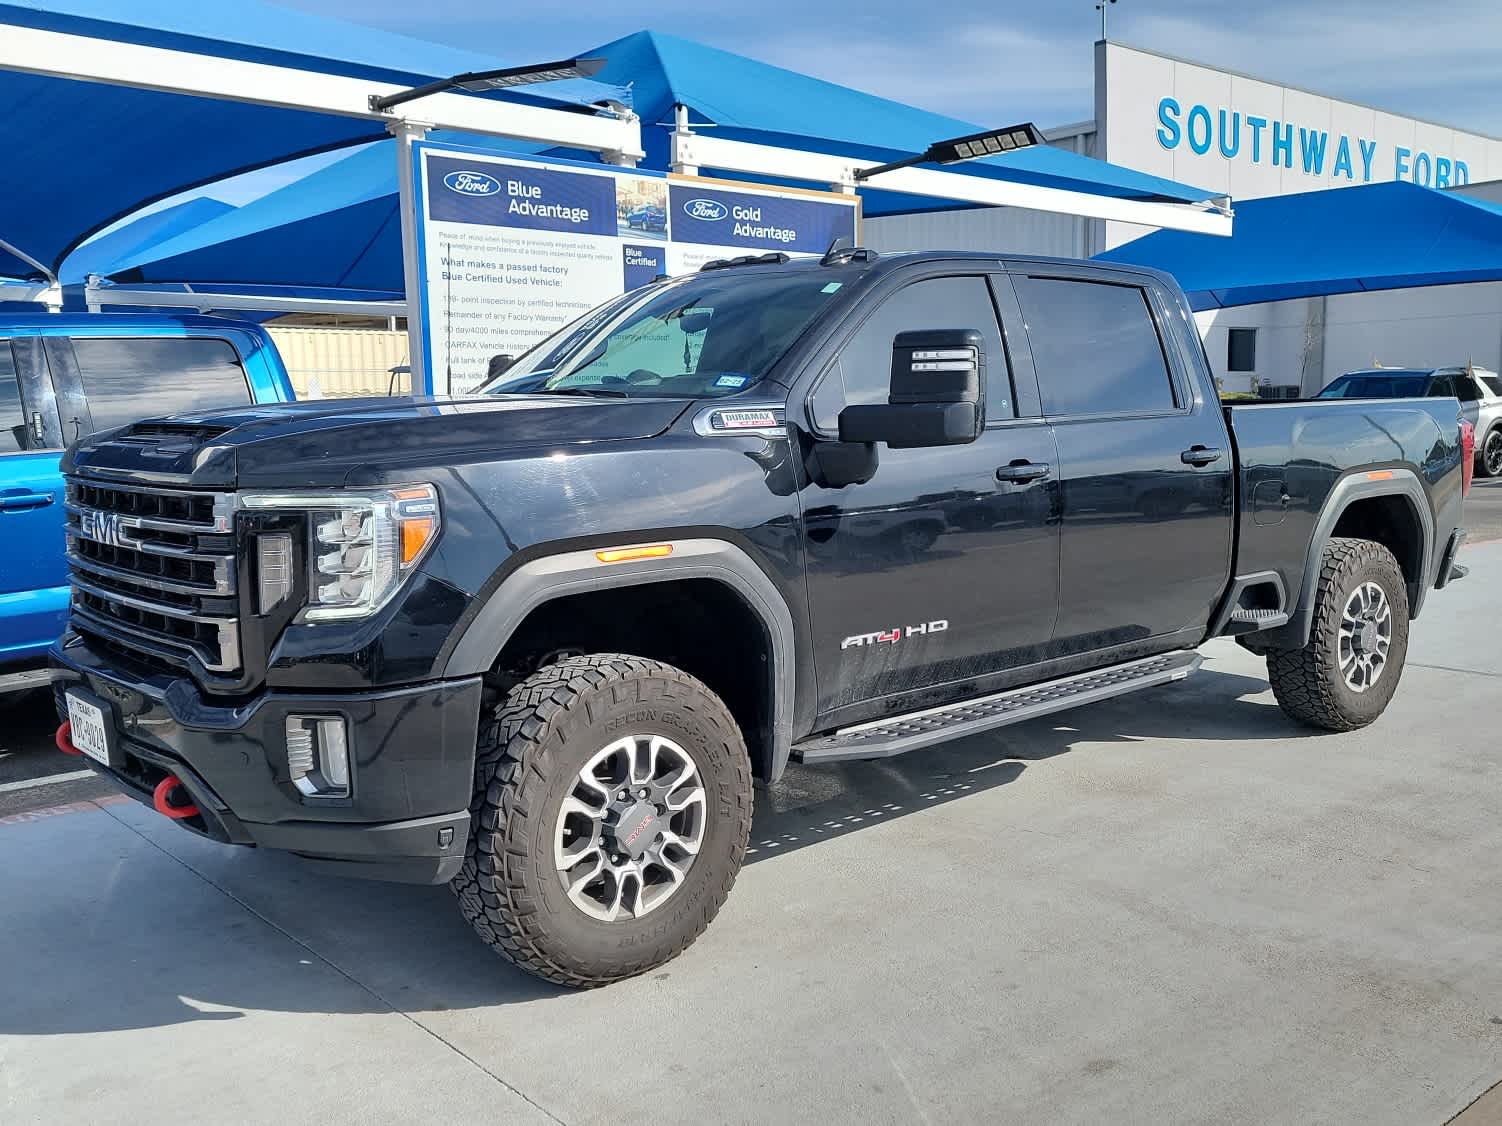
1095 346
128 379
13 431
862 372
1443 387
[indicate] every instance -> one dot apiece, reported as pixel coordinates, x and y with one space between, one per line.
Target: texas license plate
91 731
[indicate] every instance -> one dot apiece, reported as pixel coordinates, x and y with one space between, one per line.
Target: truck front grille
153 573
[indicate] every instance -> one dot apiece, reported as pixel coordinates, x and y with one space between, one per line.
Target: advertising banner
513 249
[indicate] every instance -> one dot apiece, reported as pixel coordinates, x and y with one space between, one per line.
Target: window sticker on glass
731 381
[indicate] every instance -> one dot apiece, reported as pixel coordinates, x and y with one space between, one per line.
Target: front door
936 570
1146 465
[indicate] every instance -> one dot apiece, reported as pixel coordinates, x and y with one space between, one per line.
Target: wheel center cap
1365 638
637 828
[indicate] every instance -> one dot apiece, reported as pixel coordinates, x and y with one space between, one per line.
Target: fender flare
543 580
1402 483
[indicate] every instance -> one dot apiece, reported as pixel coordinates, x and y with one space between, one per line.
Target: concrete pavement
1178 907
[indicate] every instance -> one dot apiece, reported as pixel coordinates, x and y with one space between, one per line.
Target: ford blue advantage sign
520 195
712 217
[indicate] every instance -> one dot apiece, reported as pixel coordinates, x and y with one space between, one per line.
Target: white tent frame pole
410 210
98 296
1213 217
61 55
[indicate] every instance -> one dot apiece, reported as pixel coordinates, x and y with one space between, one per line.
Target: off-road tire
532 742
1308 682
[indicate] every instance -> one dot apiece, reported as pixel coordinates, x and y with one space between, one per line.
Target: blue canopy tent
747 100
83 154
338 226
1342 240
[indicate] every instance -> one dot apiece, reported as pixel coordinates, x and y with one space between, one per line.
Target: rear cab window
125 379
1096 347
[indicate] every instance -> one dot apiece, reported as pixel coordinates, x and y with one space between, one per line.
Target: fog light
318 756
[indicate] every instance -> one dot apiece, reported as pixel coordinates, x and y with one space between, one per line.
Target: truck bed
1293 455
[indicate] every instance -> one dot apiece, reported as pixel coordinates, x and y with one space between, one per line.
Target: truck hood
332 443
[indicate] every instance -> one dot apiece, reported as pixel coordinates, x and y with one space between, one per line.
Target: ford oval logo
710 209
471 183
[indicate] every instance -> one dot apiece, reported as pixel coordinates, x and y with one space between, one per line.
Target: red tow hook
64 740
164 790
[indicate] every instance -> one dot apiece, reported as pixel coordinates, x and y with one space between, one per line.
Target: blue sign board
520 195
644 264
715 217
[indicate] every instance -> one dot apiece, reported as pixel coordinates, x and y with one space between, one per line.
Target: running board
21 681
894 735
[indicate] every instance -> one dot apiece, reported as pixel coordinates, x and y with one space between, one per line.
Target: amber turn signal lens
416 532
625 554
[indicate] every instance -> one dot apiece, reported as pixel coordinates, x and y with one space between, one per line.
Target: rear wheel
612 808
1347 673
1489 457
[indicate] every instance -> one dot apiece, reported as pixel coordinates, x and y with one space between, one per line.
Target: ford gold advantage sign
513 249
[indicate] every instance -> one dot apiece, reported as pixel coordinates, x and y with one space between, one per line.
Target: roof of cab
128 324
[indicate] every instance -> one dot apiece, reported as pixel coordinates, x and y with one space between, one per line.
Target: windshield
1371 385
704 336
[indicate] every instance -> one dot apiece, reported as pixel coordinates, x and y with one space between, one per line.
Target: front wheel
1489 457
1347 673
611 814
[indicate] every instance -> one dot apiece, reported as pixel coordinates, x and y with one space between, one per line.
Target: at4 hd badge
895 634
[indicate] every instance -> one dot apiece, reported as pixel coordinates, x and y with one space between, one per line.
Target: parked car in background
649 217
64 377
1478 389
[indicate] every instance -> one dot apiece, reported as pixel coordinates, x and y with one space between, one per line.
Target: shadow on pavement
145 947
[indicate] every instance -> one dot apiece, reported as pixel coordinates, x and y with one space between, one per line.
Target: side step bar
894 735
21 681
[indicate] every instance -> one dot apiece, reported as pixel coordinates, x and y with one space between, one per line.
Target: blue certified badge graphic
707 209
466 182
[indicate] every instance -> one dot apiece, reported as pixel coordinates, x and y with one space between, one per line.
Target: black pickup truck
538 642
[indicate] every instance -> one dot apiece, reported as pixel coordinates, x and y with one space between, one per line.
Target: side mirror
938 377
499 365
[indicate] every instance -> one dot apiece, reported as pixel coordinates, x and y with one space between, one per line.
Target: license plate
92 732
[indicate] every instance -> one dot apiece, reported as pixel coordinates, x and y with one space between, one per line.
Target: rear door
33 576
1146 464
1470 397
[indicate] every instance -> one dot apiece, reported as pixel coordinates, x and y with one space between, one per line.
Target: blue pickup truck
65 376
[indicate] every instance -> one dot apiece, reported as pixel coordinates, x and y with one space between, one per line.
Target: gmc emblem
103 527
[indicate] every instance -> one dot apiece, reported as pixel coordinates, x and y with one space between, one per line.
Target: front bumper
411 765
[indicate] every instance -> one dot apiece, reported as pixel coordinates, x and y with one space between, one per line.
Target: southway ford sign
1249 137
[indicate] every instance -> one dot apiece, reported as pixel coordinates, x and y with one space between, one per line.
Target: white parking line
50 780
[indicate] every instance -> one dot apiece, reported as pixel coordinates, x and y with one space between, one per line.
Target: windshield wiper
592 392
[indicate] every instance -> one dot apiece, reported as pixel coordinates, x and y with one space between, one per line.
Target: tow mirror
936 396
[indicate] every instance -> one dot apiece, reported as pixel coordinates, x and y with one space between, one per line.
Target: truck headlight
360 545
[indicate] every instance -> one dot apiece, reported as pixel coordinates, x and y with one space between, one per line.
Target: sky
1008 59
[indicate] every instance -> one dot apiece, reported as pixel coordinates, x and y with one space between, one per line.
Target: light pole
1101 8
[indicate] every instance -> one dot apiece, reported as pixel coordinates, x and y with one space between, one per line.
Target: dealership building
1251 138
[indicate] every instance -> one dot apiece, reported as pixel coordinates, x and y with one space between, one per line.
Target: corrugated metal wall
1000 229
340 362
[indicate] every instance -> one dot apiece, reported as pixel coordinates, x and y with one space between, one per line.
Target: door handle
17 501
1020 471
1199 455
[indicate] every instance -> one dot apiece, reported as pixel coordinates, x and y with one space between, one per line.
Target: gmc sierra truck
537 642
